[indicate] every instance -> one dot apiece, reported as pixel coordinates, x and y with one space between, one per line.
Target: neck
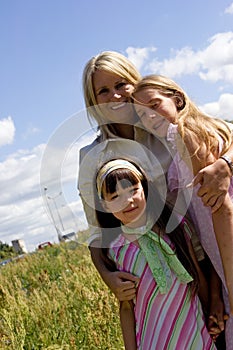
142 221
124 130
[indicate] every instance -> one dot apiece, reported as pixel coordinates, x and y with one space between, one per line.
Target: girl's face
156 110
127 204
113 94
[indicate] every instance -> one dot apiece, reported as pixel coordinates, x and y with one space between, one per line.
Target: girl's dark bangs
126 176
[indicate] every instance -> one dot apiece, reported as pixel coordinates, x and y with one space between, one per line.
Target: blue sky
44 46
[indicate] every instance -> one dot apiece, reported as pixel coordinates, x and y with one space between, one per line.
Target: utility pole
51 213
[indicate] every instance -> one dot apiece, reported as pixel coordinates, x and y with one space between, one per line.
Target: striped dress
172 321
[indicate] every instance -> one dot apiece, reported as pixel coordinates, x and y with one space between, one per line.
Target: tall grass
55 299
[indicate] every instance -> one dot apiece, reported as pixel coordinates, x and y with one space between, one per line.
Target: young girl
167 313
198 140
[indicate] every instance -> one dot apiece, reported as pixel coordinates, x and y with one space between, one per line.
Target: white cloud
223 108
229 9
184 61
19 174
139 55
7 131
213 63
217 58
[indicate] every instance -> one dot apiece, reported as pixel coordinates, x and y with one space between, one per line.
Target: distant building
69 235
19 246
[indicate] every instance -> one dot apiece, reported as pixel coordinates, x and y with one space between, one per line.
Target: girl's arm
217 314
222 217
210 294
128 324
122 284
223 227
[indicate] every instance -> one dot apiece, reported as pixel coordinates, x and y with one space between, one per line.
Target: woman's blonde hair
192 121
108 61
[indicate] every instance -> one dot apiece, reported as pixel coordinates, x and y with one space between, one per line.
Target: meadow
55 299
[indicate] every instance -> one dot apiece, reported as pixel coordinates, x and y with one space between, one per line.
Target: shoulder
86 149
116 245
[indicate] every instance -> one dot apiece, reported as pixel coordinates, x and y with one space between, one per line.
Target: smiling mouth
118 105
130 210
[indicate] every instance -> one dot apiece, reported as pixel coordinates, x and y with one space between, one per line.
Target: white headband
111 166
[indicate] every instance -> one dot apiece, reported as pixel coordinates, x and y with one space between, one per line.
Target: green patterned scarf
160 257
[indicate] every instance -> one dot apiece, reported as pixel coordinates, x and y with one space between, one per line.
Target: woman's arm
128 324
122 284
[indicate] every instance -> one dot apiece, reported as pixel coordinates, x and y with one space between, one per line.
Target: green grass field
55 299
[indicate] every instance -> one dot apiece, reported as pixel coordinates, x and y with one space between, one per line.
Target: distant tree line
6 251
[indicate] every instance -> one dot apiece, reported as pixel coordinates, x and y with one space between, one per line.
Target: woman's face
113 95
156 110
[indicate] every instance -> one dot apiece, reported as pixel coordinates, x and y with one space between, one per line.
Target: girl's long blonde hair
192 121
108 61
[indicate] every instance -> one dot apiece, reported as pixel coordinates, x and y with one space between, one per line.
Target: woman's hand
215 181
122 284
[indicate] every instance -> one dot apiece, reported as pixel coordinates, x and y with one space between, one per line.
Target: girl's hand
217 318
216 325
123 285
215 181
